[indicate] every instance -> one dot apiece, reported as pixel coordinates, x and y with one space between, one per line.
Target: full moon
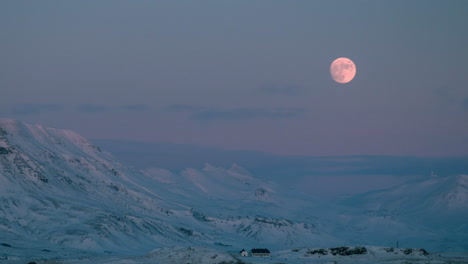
342 70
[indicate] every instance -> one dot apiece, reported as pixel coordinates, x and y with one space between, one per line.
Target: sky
242 75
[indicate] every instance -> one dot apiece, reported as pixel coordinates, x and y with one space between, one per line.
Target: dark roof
260 250
242 250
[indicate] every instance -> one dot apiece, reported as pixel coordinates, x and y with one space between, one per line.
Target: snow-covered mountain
62 196
432 212
59 191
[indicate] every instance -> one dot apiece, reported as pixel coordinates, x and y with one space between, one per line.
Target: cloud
184 108
236 114
96 108
285 90
245 114
92 108
31 109
135 107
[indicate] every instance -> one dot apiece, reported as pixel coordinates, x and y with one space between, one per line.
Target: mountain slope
58 188
432 212
63 196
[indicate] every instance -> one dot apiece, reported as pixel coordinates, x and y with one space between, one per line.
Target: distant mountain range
327 176
64 196
176 157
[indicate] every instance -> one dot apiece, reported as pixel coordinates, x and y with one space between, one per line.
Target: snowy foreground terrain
64 200
205 255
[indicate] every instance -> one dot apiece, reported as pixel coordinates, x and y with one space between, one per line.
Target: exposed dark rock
260 192
221 244
389 250
199 216
347 251
96 148
114 172
320 251
424 252
185 231
275 222
407 251
114 187
4 151
42 178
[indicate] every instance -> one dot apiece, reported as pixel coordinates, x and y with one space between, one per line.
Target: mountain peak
25 135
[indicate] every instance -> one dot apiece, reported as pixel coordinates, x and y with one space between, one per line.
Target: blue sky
250 75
